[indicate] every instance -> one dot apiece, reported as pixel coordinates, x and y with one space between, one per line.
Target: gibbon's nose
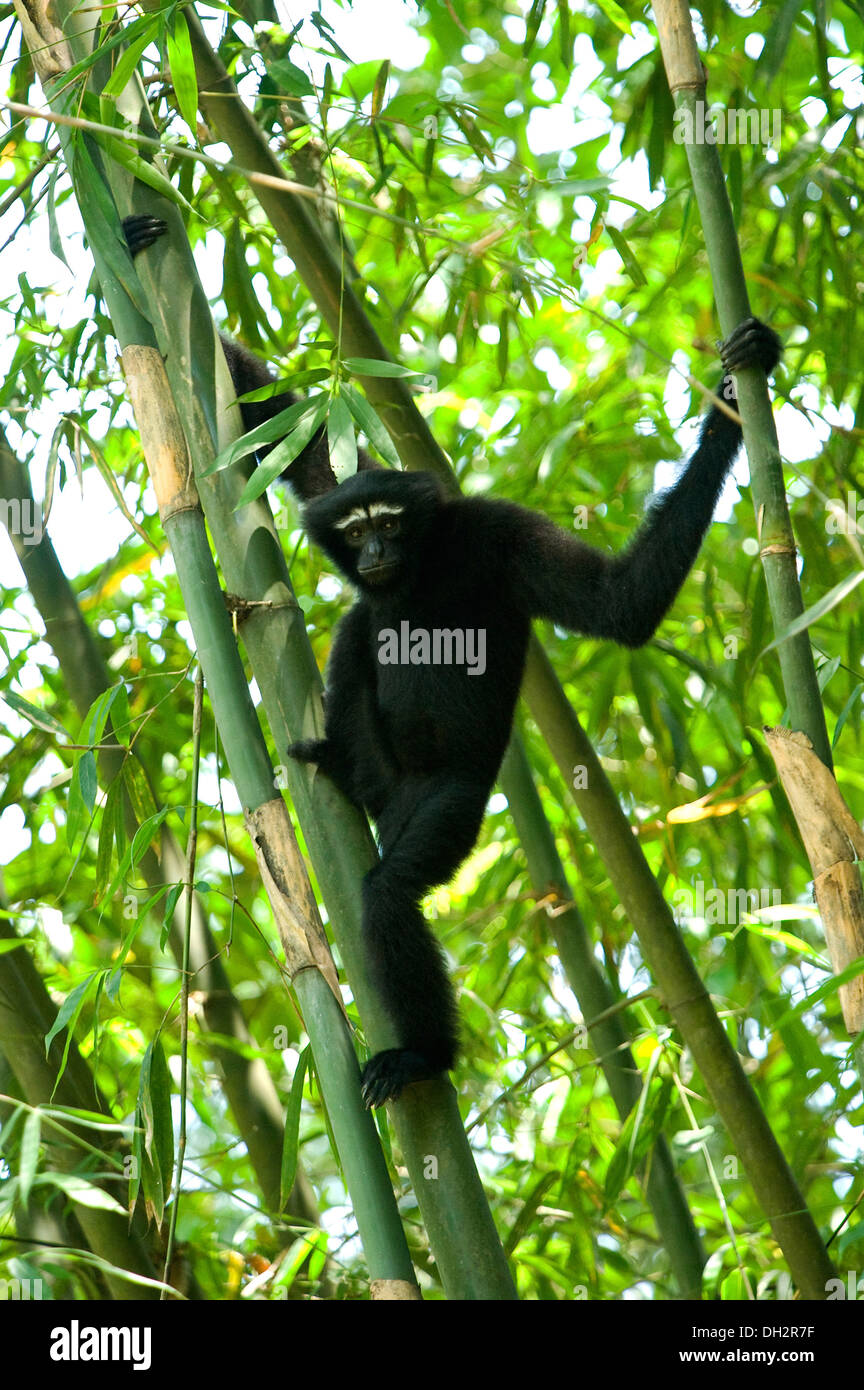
374 564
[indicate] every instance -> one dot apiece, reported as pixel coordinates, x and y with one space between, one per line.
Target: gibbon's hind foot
141 231
752 344
386 1075
308 750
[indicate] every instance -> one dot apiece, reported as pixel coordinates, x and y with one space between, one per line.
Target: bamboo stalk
609 1036
249 1087
171 472
687 83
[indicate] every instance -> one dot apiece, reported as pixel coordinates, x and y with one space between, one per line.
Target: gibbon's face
373 534
372 525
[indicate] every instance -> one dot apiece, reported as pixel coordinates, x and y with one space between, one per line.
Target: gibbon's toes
752 344
387 1074
141 231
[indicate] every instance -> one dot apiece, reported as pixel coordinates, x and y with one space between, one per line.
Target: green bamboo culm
680 985
249 1088
609 1036
776 538
360 1153
461 1230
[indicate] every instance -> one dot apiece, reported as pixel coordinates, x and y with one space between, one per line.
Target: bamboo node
778 548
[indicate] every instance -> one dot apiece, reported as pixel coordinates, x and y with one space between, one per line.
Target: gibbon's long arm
624 597
309 474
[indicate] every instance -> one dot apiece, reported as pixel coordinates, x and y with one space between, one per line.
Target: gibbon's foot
387 1074
141 231
308 750
752 344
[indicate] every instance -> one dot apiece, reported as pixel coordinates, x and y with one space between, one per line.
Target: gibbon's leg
428 827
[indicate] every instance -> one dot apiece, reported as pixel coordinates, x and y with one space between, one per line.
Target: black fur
418 746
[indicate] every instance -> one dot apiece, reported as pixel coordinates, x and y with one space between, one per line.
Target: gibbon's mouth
377 574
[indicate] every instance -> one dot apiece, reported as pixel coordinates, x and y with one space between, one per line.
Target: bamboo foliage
253 1098
651 918
841 906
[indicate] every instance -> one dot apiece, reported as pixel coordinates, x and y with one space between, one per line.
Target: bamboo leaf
138 790
371 425
145 833
374 366
341 440
28 1161
107 829
291 1140
846 711
67 1014
285 453
290 78
816 611
39 718
277 428
380 87
631 265
84 1193
154 1110
128 60
182 63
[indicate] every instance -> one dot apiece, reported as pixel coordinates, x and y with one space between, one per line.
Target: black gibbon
425 671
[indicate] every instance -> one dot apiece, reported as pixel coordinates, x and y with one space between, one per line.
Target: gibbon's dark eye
354 533
388 524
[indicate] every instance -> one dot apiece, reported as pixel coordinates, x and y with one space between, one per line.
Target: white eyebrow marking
363 514
385 509
358 514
